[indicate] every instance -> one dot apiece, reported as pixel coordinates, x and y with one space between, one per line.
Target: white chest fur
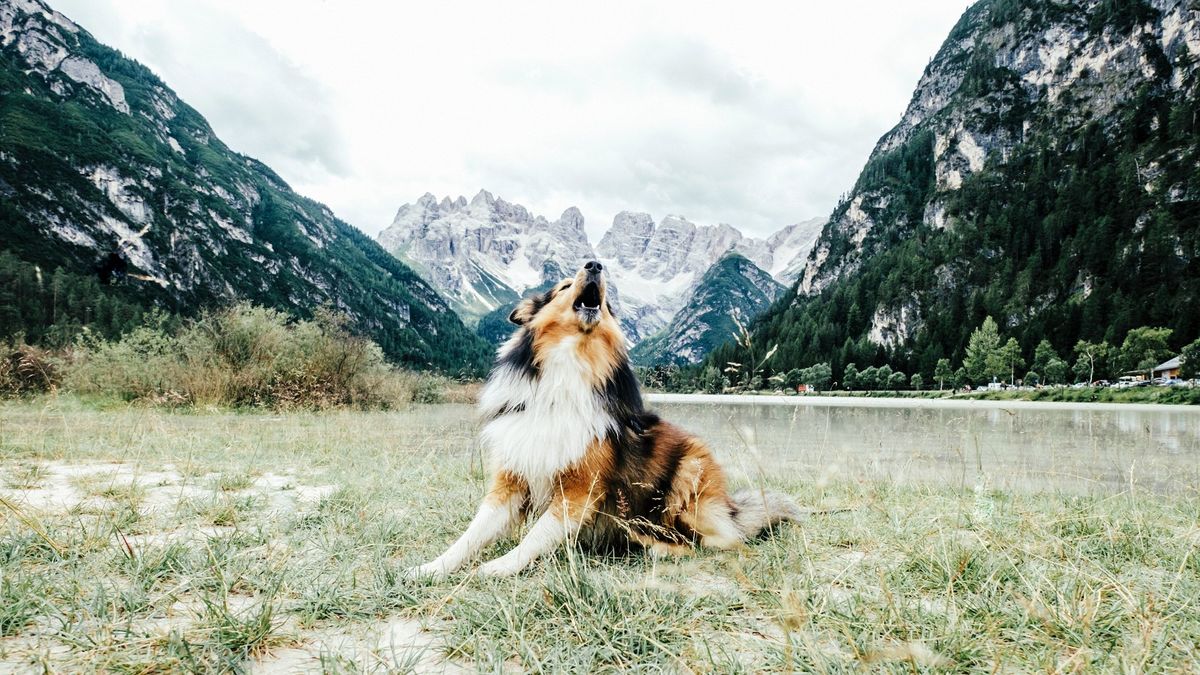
551 420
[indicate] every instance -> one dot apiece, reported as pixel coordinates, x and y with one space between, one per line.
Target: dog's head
576 307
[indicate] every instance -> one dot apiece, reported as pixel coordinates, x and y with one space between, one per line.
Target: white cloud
759 116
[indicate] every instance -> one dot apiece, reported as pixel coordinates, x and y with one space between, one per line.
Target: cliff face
100 160
1043 173
1010 73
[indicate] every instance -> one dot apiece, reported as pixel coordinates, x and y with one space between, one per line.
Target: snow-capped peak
487 252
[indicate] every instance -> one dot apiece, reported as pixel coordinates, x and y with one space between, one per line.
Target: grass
183 561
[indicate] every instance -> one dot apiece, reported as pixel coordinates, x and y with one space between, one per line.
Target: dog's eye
564 287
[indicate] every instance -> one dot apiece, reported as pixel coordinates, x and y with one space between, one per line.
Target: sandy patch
61 487
394 645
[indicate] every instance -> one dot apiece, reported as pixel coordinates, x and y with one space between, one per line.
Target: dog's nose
593 266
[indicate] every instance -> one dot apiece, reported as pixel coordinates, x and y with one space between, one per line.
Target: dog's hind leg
500 511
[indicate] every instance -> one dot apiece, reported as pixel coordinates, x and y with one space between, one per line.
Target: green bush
247 356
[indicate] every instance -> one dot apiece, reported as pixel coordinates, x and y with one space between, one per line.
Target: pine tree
1008 359
1042 355
850 379
943 372
981 352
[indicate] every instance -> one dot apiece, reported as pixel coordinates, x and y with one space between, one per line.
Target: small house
1169 369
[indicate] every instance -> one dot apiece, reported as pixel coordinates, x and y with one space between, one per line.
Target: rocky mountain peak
488 252
1005 70
733 288
627 237
570 224
483 198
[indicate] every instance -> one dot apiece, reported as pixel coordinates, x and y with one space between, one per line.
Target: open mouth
589 299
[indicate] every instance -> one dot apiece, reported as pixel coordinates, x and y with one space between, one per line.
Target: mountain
1044 173
657 266
484 253
487 253
732 291
790 247
105 174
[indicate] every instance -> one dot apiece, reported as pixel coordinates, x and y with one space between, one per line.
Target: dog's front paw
432 570
499 568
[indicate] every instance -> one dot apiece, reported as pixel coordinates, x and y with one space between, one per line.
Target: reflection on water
1021 448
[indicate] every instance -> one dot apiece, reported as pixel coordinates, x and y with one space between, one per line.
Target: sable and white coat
571 444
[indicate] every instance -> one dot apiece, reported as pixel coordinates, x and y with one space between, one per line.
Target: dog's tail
755 510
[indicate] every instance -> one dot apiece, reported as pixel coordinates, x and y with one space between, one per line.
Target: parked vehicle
1128 382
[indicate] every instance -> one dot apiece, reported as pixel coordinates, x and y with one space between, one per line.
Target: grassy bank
145 540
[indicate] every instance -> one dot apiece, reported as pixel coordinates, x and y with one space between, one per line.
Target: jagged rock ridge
486 253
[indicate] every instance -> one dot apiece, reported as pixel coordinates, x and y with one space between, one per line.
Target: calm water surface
1026 446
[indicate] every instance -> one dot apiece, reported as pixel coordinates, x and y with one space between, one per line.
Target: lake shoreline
909 402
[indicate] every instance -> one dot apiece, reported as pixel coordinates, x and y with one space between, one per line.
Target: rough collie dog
571 446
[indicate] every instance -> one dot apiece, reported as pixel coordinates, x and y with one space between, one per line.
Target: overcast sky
754 114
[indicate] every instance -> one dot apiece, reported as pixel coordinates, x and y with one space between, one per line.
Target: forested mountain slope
732 291
108 178
1046 173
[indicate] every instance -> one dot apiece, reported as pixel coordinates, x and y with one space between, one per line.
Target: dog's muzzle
587 303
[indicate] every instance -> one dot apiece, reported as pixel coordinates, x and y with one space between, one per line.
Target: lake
1006 445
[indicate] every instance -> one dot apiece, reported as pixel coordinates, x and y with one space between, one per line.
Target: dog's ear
522 313
525 309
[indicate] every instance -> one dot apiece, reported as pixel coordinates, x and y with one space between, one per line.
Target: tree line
990 357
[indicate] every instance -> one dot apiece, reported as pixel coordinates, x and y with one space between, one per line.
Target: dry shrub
25 369
247 356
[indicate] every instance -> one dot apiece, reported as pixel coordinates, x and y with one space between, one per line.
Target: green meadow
142 539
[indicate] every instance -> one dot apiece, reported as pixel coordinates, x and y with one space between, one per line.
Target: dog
571 444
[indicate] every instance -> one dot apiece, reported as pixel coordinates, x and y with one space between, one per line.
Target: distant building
1168 369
